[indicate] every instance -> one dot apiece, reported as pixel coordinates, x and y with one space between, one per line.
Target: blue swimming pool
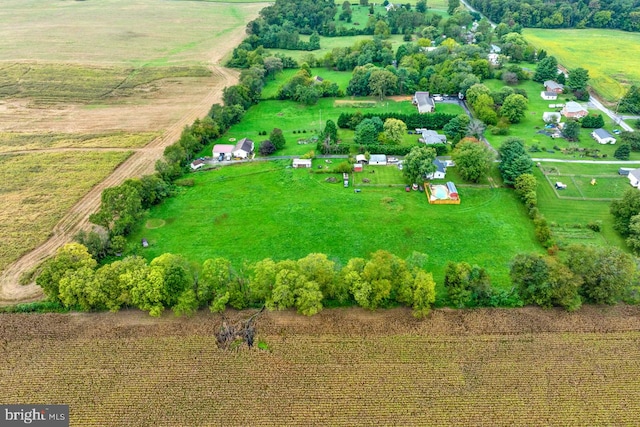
440 191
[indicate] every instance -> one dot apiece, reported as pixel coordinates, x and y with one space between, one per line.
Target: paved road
616 118
597 162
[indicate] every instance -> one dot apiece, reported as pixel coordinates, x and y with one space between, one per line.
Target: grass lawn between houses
258 210
532 123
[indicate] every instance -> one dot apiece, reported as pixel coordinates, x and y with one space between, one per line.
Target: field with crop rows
342 367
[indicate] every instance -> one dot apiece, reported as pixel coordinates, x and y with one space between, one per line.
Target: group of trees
617 14
304 89
626 215
507 104
169 281
598 275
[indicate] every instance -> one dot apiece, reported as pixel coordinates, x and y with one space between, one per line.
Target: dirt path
141 162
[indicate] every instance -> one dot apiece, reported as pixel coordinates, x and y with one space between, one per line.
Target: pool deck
434 201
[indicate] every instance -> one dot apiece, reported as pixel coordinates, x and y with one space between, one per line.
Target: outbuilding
603 137
301 163
378 159
222 151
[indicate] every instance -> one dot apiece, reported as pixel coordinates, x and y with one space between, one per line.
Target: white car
437 97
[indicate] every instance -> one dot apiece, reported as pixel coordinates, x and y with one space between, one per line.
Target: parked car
437 98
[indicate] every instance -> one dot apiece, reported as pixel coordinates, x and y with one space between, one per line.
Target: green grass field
532 123
292 116
265 209
341 78
568 214
612 57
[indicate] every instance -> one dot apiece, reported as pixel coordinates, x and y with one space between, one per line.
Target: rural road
141 162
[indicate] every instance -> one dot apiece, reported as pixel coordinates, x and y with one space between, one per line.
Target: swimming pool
440 191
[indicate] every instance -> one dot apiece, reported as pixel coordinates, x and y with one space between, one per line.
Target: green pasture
612 57
140 33
341 78
327 44
257 210
308 121
359 15
569 217
529 127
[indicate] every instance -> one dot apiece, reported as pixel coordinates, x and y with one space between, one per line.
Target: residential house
378 159
391 6
424 102
603 137
573 110
440 172
549 95
222 151
634 177
431 137
301 163
243 149
552 86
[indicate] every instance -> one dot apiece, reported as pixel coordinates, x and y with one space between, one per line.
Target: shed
634 177
357 167
548 95
378 159
197 164
603 137
362 159
301 163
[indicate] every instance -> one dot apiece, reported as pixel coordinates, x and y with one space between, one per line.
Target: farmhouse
573 110
431 137
222 151
552 86
551 117
548 95
440 172
301 163
603 137
243 149
424 102
378 159
634 177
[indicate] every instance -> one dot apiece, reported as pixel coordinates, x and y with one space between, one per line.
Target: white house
424 102
222 151
431 136
301 163
551 117
440 172
197 164
243 149
634 177
378 159
603 137
548 95
574 110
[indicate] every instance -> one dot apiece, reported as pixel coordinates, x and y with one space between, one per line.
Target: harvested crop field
341 367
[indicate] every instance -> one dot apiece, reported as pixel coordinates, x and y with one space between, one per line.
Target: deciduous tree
418 163
473 159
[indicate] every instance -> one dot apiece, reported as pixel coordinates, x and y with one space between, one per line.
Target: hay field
108 75
341 367
612 57
39 188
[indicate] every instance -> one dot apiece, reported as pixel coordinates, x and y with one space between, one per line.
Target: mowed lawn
569 215
612 57
531 125
308 121
254 211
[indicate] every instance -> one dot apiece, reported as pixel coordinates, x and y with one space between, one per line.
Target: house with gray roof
243 149
440 172
431 137
603 137
573 110
552 86
424 102
549 95
634 177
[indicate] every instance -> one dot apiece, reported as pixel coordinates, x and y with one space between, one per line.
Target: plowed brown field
342 367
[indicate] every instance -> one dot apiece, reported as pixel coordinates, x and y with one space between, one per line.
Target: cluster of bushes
413 121
302 88
73 279
470 286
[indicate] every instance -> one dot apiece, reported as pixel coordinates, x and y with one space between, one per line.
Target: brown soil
194 100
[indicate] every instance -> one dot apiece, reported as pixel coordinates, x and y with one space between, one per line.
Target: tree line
615 14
